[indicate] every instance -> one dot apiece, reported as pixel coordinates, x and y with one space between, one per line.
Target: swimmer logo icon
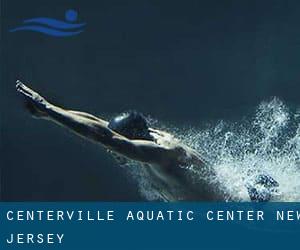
53 27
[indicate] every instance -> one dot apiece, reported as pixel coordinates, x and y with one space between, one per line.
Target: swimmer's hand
35 103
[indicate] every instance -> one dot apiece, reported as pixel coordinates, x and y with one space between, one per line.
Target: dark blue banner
101 225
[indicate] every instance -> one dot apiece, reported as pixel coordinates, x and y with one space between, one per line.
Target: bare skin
166 157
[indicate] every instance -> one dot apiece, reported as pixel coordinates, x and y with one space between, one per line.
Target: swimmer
129 136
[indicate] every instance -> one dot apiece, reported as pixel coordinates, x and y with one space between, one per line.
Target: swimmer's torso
180 183
177 179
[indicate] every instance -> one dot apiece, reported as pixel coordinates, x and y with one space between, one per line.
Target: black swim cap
132 125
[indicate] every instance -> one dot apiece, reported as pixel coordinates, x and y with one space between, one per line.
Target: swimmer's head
132 125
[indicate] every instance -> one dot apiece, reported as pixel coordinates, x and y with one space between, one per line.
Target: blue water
53 23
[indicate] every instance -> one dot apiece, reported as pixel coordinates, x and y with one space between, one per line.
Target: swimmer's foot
263 188
34 103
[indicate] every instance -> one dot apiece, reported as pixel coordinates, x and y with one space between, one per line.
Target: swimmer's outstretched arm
95 129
